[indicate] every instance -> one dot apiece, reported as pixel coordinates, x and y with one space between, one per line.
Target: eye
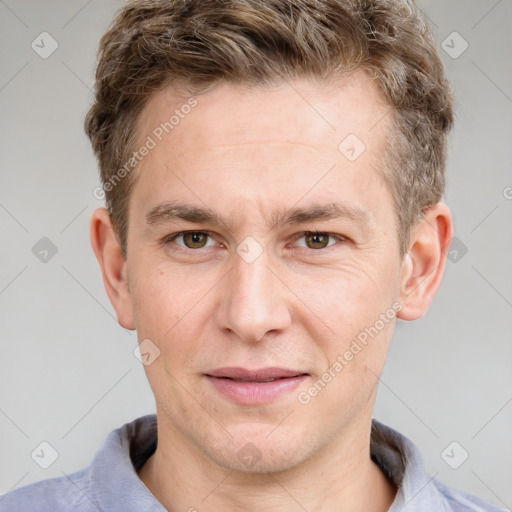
191 239
318 240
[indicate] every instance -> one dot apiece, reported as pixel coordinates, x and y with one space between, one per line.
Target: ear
110 256
425 261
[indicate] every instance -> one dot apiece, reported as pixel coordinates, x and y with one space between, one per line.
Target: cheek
171 308
351 296
351 319
153 303
361 323
162 296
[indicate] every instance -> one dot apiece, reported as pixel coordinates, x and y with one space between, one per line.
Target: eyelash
171 238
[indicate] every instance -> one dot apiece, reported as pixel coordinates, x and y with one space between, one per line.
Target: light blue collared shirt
111 482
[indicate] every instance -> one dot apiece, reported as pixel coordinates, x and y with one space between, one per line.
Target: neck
339 477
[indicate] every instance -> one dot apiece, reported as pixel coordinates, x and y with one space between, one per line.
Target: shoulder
110 481
461 501
69 492
402 462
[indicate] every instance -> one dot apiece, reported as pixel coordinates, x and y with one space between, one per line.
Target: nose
254 300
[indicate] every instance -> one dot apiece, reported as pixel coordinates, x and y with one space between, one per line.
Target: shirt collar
118 486
114 468
402 463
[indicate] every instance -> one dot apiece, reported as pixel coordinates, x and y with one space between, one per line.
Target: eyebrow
173 211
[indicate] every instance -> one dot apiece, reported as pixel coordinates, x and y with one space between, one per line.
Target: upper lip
254 375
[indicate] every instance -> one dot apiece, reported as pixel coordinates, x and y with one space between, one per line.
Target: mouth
255 387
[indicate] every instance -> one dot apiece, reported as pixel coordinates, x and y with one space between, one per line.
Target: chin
258 453
260 462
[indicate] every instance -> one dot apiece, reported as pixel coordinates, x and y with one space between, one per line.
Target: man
273 173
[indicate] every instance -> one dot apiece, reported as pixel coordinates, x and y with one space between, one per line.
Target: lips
255 387
261 375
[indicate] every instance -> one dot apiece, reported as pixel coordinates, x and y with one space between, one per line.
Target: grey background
68 375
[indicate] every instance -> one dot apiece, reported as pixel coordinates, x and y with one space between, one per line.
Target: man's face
252 286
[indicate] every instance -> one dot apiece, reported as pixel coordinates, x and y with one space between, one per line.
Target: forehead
308 110
276 142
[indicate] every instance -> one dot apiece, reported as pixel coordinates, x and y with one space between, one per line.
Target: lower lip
254 393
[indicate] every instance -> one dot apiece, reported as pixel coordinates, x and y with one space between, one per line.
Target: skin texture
249 155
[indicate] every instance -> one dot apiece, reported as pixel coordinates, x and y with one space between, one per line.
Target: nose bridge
255 302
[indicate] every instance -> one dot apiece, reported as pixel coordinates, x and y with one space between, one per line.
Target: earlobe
112 262
425 261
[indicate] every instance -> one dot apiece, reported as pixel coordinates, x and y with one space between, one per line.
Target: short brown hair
155 43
